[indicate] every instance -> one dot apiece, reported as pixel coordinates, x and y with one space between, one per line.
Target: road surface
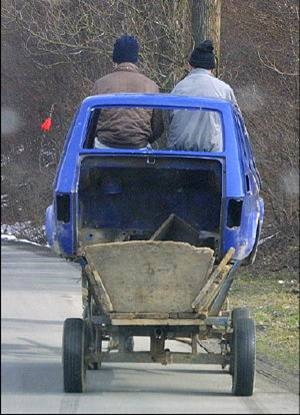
40 290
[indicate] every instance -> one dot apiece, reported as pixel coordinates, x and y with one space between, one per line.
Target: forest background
53 51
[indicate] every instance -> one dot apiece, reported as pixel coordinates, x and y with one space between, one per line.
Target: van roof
156 100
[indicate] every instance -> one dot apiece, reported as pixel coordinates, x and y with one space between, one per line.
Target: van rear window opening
136 127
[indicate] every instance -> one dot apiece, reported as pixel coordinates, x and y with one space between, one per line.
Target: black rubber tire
74 368
241 312
236 314
244 357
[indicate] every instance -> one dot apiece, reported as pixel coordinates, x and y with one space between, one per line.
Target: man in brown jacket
122 127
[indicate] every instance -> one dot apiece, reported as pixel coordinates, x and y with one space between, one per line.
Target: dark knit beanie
203 56
126 49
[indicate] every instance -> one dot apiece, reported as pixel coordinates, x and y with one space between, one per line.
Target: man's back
199 130
125 78
122 127
125 128
201 82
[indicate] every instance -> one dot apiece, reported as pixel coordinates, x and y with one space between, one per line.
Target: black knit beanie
126 49
203 56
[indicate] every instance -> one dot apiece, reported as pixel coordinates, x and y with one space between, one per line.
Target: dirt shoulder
277 374
273 300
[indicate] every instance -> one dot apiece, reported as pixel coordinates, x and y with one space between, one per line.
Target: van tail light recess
63 208
234 213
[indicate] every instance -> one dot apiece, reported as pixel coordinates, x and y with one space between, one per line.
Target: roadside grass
273 301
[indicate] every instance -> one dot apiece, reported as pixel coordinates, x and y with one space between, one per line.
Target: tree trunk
206 22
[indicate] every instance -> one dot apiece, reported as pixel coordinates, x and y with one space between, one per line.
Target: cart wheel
236 314
74 368
239 313
244 357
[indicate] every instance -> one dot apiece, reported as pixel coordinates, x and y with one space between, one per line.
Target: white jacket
198 130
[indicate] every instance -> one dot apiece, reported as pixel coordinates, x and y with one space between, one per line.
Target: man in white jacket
199 130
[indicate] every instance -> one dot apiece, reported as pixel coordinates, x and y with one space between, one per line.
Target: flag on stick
47 123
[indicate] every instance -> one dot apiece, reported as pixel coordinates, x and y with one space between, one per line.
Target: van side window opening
249 148
92 128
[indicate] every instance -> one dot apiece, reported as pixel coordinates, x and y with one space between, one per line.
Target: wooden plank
163 229
176 229
100 292
155 322
150 276
205 290
215 288
131 316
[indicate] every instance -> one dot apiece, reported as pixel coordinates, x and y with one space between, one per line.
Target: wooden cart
164 289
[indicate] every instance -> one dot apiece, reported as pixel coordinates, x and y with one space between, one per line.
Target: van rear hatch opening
130 197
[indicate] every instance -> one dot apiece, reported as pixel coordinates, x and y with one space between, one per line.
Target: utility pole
206 22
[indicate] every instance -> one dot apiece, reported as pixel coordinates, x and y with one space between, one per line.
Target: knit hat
126 49
203 56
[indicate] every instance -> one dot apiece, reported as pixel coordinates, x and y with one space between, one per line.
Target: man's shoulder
105 78
221 83
100 83
181 84
225 91
190 79
138 76
146 79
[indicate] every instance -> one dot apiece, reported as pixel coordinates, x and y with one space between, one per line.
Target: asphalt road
39 291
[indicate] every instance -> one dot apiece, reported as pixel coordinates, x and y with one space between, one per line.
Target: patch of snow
24 232
6 237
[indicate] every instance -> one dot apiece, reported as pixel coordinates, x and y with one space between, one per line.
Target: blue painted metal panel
68 174
234 169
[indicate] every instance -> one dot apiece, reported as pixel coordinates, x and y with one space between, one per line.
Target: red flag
47 124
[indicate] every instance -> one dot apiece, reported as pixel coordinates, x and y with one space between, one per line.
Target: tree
206 21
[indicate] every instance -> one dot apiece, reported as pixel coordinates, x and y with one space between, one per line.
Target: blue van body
129 191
